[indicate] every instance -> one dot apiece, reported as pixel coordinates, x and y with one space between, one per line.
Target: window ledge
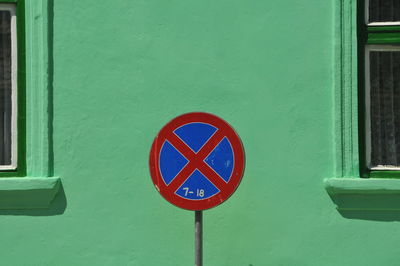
364 194
28 192
362 185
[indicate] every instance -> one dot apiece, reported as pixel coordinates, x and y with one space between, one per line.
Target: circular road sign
197 161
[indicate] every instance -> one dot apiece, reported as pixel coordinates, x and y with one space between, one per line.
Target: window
8 87
25 131
367 46
30 181
381 46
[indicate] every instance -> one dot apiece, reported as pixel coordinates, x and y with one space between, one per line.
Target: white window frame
14 87
368 49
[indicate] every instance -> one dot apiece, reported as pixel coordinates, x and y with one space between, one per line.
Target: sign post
198 238
196 163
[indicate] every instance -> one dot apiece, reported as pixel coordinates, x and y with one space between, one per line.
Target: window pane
384 10
5 87
385 108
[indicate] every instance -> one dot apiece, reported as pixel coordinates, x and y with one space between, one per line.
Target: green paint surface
383 37
122 69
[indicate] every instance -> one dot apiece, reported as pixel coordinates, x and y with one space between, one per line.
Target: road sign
196 161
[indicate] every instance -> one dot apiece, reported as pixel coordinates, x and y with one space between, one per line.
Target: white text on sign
199 192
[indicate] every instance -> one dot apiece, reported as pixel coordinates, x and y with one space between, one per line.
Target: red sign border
237 173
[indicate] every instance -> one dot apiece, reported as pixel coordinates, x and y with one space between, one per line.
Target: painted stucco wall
122 69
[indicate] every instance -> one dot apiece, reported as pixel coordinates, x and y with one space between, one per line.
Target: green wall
122 69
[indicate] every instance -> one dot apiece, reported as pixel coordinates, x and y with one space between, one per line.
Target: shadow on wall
374 207
378 215
57 207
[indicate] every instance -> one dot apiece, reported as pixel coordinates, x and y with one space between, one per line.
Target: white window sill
28 192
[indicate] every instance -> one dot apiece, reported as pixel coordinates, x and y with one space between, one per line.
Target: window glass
384 101
5 88
384 10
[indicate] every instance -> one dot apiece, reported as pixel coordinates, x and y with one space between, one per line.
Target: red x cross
196 160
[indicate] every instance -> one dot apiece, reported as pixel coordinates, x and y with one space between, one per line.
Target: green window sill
374 194
28 192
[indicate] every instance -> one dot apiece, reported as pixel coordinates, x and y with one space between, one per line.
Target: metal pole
198 238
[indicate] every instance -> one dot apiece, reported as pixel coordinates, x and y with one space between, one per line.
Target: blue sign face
172 161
